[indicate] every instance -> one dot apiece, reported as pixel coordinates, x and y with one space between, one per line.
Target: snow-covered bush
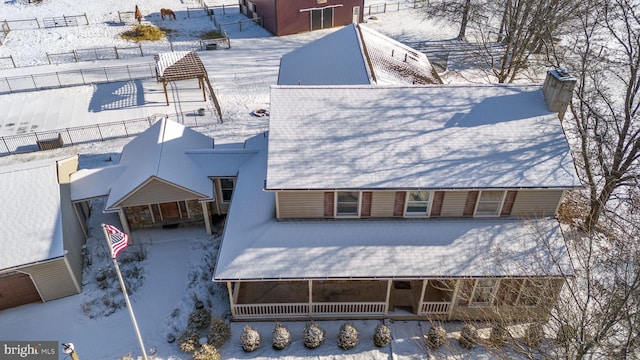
436 337
534 334
313 335
281 337
219 332
468 337
188 341
199 318
206 352
250 339
348 336
382 335
499 335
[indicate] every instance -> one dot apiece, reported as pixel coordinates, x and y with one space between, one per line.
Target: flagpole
126 296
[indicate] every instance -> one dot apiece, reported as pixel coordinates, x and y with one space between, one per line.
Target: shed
184 65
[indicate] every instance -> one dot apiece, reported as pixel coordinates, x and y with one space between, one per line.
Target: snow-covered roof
355 55
92 183
31 220
429 137
260 247
161 152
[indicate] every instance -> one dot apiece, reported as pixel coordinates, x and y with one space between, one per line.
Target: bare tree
605 113
526 27
462 11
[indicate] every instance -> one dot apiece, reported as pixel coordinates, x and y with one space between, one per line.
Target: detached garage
41 257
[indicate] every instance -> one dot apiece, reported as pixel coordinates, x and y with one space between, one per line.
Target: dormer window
418 203
347 203
489 203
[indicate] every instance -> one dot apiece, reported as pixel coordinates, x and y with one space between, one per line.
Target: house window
418 203
489 203
226 188
483 291
347 203
532 292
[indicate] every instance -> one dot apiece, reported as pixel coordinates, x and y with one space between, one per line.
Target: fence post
58 77
100 132
384 8
34 82
106 76
75 55
83 81
69 136
5 145
140 47
115 48
48 58
13 62
86 19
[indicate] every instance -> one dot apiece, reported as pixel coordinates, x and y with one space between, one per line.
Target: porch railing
297 310
433 308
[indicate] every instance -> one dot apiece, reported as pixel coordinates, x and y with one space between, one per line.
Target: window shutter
436 207
398 206
509 199
365 208
470 205
328 204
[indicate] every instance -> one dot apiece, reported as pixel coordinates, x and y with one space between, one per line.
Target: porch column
124 222
454 298
207 221
232 303
310 296
424 288
386 304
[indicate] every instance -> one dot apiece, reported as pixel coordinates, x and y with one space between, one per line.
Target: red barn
285 17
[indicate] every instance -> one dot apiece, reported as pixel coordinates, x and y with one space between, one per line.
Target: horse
167 12
138 15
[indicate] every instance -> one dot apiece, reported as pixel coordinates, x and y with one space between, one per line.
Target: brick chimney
558 90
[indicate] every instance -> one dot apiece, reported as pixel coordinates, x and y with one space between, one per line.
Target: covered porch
326 299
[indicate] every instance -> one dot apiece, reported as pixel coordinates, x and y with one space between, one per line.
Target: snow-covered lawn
169 270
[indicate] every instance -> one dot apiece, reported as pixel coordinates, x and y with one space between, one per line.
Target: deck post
232 303
421 300
310 311
386 303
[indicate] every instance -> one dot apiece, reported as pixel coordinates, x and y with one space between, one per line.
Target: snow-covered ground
170 269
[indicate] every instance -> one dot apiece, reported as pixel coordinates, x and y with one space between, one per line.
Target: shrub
382 335
468 337
436 337
566 334
250 339
534 334
499 335
313 335
219 332
199 318
206 352
281 337
188 340
348 336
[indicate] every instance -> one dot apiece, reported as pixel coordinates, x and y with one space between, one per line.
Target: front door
170 210
356 15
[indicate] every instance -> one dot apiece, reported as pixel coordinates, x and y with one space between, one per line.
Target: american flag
117 239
